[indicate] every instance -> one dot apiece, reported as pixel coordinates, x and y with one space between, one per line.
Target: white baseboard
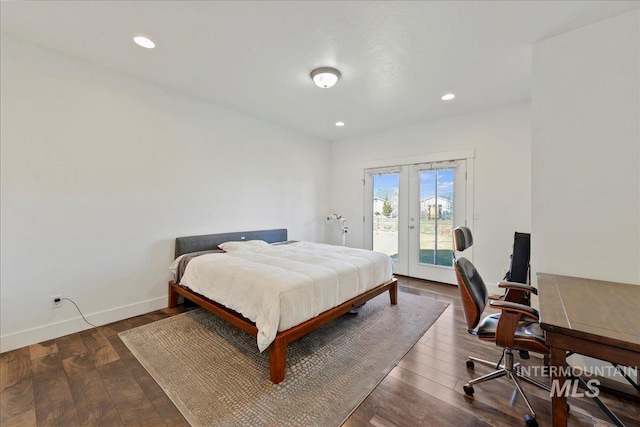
54 330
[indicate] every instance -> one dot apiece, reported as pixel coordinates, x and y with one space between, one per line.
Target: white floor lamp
343 226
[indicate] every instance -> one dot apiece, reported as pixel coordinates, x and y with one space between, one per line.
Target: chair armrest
519 287
512 314
522 309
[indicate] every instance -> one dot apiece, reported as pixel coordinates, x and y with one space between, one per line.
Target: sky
387 185
428 183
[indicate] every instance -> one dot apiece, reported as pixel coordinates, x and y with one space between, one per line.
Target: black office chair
519 268
515 328
519 272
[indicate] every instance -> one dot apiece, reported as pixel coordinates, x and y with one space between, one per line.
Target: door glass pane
436 216
385 214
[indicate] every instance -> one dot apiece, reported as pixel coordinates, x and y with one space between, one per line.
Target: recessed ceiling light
339 124
325 77
448 97
144 42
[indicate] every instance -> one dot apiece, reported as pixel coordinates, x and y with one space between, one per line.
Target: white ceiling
396 58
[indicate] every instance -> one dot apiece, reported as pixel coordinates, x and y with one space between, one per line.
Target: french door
410 214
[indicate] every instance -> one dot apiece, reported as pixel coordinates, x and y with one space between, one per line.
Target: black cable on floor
78 308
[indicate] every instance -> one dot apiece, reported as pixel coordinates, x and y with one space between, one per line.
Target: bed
279 262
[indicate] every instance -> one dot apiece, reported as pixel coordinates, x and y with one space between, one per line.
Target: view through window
385 214
436 216
411 210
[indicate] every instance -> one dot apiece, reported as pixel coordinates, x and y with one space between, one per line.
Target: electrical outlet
56 301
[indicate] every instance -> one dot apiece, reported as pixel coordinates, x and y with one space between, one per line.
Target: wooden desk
590 317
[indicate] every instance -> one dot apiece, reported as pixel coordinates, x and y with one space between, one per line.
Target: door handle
412 227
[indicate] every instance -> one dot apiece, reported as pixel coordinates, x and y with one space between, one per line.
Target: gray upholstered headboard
189 244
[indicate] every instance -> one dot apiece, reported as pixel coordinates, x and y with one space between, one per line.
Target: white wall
100 173
502 179
585 152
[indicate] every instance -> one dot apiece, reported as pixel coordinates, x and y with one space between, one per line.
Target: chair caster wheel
530 421
470 364
468 390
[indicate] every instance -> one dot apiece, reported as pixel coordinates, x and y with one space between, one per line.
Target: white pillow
243 245
174 265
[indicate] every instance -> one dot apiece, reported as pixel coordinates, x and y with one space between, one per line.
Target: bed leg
173 296
393 293
277 360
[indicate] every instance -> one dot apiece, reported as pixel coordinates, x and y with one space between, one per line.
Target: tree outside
386 207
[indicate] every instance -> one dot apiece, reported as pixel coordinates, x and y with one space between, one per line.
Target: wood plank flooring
91 379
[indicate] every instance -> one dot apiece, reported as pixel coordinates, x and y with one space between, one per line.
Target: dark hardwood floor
91 379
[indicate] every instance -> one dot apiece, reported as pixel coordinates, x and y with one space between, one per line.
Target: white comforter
281 286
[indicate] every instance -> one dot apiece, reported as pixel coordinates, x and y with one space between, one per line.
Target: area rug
215 375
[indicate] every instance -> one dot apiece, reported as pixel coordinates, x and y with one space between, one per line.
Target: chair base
510 370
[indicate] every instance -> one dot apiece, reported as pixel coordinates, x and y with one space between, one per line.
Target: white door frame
402 266
438 273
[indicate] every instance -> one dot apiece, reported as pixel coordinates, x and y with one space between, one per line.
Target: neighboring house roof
440 200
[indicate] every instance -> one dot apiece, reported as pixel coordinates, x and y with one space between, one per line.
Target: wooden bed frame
278 348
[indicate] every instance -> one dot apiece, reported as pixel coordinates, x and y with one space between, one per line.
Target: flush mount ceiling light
339 124
144 42
325 77
448 96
